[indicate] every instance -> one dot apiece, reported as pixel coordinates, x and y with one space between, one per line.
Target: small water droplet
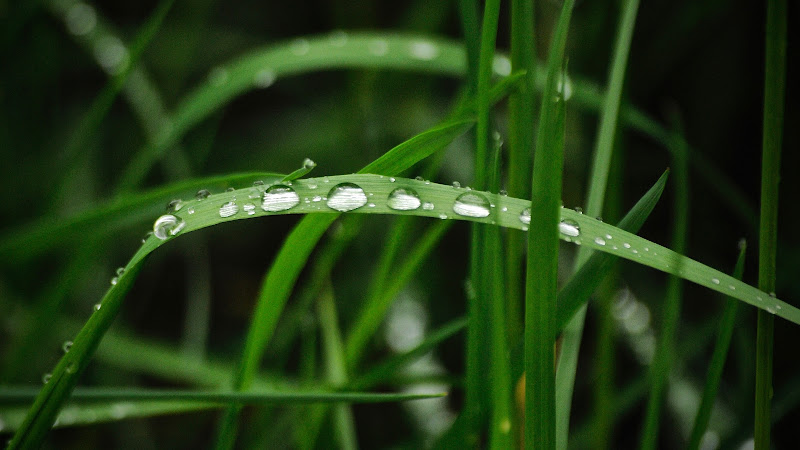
46 378
202 194
66 346
167 225
258 183
770 310
308 163
249 208
599 241
503 192
228 209
504 209
525 216
402 199
732 287
423 50
456 184
146 236
419 178
608 236
715 280
471 204
300 47
569 228
635 252
778 307
346 197
111 53
230 189
254 193
120 271
317 198
97 306
114 281
190 211
264 78
626 245
279 198
392 179
772 294
175 205
759 298
71 367
427 206
378 47
564 87
443 216
371 205
579 210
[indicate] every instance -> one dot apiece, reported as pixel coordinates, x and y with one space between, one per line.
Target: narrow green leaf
774 100
718 358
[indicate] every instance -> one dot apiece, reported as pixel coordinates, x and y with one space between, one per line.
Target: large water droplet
346 197
402 199
569 228
525 216
228 209
167 225
279 198
471 204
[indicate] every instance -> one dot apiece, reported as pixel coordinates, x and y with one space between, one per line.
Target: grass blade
717 362
601 164
542 271
774 99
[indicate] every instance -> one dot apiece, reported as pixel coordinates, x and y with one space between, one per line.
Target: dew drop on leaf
470 204
279 198
167 225
403 199
346 197
228 209
569 228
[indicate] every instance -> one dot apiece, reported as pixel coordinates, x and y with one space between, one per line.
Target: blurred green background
701 62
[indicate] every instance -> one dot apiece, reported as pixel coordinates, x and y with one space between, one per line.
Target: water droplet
46 378
258 183
778 306
732 287
337 38
228 209
770 310
423 50
300 47
146 236
503 192
230 189
759 298
378 47
599 241
67 345
71 367
392 179
218 76
427 206
502 65
97 306
456 184
525 216
190 211
249 208
279 198
419 178
564 87
308 163
254 193
471 204
608 236
346 197
402 199
120 271
715 280
569 228
264 78
579 210
202 194
167 225
317 198
626 245
443 216
174 205
772 294
114 281
81 19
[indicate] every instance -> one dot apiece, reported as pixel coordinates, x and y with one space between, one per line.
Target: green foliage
346 327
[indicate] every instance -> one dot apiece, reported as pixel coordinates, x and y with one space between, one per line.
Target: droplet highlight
569 228
228 209
346 197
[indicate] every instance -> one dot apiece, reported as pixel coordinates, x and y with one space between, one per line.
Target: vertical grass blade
662 360
774 92
717 363
542 273
520 136
601 164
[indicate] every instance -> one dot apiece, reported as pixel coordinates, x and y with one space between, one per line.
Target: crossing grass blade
717 362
